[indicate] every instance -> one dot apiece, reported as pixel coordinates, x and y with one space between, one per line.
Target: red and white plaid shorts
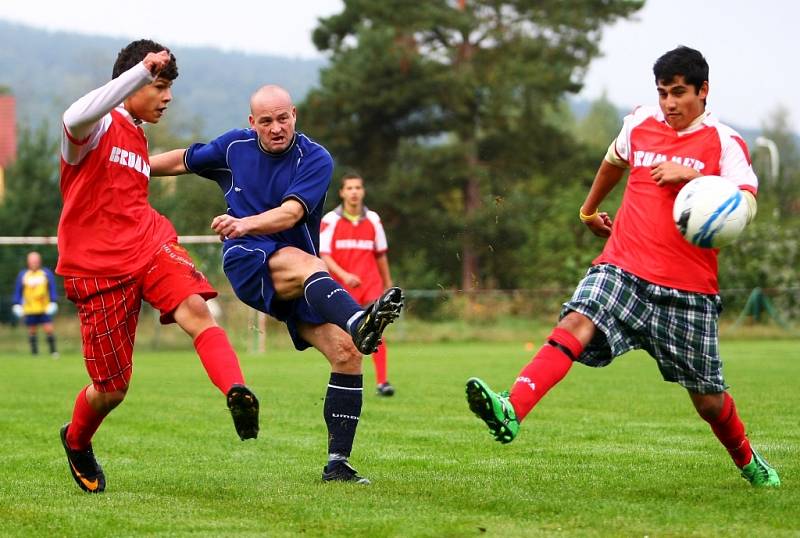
108 309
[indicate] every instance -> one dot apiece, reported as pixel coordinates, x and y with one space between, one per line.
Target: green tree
781 192
600 125
455 106
32 203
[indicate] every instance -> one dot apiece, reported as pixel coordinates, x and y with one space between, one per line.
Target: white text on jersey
355 244
649 158
130 159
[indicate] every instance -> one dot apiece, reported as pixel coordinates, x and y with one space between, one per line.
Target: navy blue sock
51 341
342 411
331 300
34 340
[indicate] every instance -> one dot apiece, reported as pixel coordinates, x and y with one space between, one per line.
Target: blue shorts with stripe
677 328
245 264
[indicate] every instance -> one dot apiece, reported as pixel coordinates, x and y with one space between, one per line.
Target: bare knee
193 315
103 402
580 326
290 268
708 406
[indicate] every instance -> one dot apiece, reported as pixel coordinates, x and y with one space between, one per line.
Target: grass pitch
609 452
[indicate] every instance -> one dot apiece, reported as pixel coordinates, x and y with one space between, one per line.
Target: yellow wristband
587 218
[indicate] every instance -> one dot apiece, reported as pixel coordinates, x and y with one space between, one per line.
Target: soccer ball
710 212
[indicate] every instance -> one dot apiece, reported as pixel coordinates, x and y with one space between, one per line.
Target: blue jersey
255 181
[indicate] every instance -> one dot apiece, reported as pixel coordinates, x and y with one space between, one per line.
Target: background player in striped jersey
649 288
115 250
353 244
35 301
275 180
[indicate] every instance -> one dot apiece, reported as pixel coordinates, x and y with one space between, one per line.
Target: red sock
218 358
379 360
547 368
85 421
729 429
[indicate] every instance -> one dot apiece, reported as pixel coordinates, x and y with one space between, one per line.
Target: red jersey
354 246
107 226
644 239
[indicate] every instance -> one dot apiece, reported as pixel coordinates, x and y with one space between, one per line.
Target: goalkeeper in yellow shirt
35 301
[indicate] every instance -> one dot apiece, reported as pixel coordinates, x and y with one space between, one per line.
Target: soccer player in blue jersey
275 181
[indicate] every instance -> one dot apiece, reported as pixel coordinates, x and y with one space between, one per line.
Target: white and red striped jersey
107 226
644 239
354 245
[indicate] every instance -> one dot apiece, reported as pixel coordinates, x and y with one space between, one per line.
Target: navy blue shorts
37 319
245 265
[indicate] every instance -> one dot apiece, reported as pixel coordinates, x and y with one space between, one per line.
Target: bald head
270 95
34 261
273 116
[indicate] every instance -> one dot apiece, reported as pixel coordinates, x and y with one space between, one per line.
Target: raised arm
171 163
86 120
82 116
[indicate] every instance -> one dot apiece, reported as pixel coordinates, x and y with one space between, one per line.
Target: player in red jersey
115 250
649 289
353 244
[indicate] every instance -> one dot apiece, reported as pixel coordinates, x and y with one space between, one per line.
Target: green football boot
494 409
759 473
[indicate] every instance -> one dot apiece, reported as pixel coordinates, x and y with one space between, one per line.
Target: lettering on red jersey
131 160
355 244
649 158
644 240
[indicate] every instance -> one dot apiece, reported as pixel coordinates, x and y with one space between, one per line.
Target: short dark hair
350 175
134 52
682 61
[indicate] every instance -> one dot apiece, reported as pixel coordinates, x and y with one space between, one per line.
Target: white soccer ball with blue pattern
710 212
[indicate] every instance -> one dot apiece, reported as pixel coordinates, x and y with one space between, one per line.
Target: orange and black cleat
84 468
243 406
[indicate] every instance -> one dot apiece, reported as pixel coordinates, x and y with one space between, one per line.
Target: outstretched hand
155 62
600 225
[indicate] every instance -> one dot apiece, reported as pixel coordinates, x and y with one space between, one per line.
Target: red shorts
109 310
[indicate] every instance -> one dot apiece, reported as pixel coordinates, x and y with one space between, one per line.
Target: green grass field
610 452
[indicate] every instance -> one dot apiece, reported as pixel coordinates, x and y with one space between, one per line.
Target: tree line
456 115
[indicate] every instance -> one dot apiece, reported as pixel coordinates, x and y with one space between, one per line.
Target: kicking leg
221 363
296 273
503 412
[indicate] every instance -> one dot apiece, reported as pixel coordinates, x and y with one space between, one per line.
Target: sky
751 46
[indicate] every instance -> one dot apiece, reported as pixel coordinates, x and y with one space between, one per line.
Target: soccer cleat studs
243 406
386 309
